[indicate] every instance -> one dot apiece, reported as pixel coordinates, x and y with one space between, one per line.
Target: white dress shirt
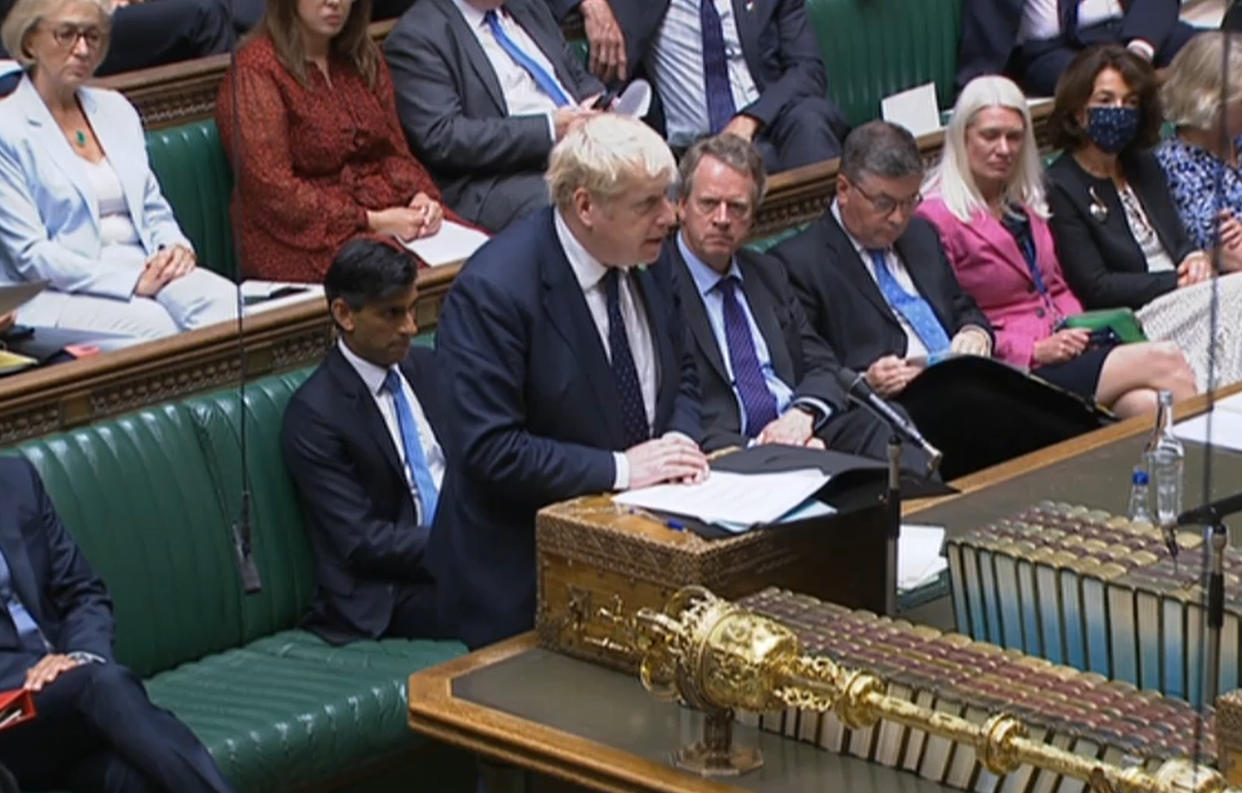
590 273
523 96
677 63
1041 18
373 378
914 345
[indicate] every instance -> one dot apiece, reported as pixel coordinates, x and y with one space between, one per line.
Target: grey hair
601 153
881 149
26 14
735 152
1191 96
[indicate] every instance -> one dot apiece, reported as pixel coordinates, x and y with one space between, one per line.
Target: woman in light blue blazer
79 205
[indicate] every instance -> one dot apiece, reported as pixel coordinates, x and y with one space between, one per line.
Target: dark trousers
1233 19
807 131
158 32
96 732
1039 64
858 431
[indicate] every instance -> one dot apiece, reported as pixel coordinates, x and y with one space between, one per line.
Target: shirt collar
472 15
587 269
372 375
705 278
863 251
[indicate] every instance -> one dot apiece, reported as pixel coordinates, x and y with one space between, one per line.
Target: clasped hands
164 266
420 218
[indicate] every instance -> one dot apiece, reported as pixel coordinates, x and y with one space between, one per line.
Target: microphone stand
1219 539
892 498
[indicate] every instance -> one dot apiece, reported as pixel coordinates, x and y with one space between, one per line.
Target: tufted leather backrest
195 176
281 550
872 48
136 494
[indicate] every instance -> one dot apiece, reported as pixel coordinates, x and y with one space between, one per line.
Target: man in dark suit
95 729
484 89
765 375
1034 40
563 355
361 439
749 67
869 309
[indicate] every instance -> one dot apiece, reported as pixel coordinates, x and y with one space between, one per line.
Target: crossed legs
1133 374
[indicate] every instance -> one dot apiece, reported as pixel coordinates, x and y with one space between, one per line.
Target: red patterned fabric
313 160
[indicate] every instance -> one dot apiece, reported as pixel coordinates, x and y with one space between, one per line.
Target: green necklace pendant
80 137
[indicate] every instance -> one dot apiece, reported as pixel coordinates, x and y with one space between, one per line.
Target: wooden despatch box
592 554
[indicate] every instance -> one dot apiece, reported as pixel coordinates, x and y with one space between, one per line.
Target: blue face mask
1112 128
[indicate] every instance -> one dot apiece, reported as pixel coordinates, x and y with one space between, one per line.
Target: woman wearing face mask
1118 234
322 157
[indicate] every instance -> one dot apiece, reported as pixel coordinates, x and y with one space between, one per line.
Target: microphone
1211 513
859 390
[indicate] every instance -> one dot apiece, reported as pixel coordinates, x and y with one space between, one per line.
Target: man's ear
584 206
342 314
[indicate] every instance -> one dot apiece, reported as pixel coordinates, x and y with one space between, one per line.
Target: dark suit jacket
49 574
778 44
356 502
990 31
451 104
537 416
800 357
845 305
1102 261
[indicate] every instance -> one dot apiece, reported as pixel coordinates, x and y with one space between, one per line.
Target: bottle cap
1140 477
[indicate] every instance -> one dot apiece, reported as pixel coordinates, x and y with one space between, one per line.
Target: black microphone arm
859 390
1211 514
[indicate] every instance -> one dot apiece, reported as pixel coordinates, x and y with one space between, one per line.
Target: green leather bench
150 497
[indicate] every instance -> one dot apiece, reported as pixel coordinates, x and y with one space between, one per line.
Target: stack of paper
733 500
1226 421
919 560
452 243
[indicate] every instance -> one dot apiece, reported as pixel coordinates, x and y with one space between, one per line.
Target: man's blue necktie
544 80
634 426
917 311
757 400
420 472
27 629
720 107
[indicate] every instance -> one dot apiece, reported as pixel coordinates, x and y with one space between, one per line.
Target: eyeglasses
886 204
736 210
66 36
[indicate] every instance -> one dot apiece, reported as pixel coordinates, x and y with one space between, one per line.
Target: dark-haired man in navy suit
563 355
95 729
361 439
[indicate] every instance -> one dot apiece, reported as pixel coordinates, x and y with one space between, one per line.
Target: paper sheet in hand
915 109
13 295
918 555
635 100
1226 428
452 243
746 499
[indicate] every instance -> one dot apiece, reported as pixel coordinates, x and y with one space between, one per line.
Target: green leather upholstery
150 497
196 178
872 48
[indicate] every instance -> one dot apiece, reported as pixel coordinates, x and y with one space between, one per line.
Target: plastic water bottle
1139 511
1166 458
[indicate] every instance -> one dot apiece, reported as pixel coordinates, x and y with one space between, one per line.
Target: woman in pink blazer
986 197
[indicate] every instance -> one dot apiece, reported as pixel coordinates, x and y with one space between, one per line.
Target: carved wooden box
1229 736
591 554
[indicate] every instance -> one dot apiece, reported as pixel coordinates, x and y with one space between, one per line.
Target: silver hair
603 154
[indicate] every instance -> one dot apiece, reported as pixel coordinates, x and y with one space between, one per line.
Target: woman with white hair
1205 148
986 198
79 205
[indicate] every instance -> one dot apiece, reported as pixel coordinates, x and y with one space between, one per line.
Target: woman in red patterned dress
308 113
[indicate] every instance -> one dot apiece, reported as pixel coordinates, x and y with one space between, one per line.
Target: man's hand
1061 346
890 375
794 428
672 457
606 40
432 212
7 320
744 127
566 117
971 341
49 668
1195 268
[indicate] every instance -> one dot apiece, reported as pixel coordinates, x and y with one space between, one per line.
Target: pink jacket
993 271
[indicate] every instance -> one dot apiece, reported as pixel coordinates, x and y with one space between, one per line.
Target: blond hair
1191 96
952 180
25 14
603 154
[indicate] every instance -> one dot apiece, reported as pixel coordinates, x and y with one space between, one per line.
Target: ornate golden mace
718 657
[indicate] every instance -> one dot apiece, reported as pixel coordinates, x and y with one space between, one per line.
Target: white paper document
259 296
1226 428
728 498
919 560
916 109
452 243
635 100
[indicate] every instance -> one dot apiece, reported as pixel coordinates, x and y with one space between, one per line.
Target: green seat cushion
289 709
765 244
195 176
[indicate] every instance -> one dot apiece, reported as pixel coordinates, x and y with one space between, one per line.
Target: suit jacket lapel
913 259
476 58
851 264
52 141
988 229
763 309
566 307
549 42
745 19
22 574
117 148
696 315
657 320
362 405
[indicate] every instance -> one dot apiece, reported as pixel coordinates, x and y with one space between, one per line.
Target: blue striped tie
752 388
28 631
634 426
545 81
917 311
415 458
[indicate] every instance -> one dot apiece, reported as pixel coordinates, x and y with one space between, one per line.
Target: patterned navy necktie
720 107
752 388
634 426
